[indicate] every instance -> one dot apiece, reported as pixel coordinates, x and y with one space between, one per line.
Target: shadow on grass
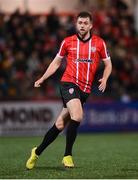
57 168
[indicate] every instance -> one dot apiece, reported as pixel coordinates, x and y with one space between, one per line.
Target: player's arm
52 68
106 74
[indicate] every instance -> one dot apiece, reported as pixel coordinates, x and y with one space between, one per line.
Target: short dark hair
85 14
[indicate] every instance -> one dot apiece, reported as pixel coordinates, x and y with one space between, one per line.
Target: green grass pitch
95 156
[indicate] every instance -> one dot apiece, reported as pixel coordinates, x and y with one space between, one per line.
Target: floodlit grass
95 156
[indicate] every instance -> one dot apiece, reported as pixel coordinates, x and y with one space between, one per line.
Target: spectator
29 42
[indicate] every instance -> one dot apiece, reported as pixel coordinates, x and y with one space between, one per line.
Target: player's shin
48 139
71 136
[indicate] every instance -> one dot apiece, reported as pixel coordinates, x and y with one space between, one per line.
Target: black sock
48 139
71 136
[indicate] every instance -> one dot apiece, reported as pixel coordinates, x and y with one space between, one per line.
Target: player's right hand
38 82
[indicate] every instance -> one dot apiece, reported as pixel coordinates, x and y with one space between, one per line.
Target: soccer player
83 52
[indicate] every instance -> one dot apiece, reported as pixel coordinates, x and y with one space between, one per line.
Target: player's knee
60 125
77 117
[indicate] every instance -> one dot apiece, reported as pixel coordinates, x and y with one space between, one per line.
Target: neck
85 36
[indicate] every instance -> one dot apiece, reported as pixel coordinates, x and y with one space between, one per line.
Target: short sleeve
104 54
62 51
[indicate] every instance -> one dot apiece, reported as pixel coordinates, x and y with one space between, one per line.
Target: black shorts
70 91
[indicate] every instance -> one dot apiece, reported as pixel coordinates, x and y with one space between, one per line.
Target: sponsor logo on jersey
84 60
71 90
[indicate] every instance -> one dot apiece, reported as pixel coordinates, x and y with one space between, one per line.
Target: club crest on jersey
93 49
71 90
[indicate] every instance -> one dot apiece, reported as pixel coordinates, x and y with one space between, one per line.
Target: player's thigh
62 119
75 109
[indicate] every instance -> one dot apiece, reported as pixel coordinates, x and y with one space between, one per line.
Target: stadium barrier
35 118
110 117
27 118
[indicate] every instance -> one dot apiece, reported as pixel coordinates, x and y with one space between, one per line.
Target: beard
82 32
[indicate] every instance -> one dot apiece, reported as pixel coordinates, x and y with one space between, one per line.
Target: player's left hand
102 85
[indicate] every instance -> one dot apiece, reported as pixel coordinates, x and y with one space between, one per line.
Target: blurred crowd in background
28 43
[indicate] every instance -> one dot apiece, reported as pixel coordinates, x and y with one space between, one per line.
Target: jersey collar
82 39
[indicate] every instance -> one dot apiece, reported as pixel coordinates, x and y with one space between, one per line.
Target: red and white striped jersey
83 58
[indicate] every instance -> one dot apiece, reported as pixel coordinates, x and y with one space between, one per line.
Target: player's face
83 25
